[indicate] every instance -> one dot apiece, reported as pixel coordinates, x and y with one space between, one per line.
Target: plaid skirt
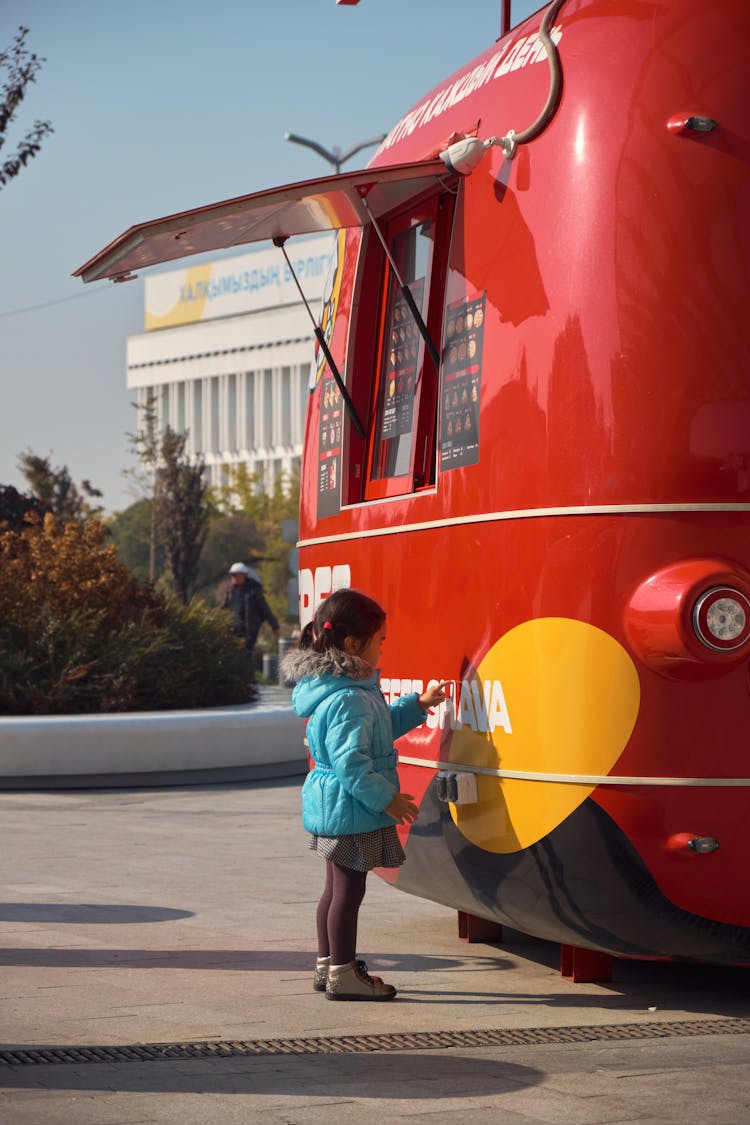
362 852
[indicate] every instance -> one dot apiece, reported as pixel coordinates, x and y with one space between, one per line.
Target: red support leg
473 929
581 965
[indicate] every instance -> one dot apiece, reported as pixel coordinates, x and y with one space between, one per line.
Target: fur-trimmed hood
318 675
302 663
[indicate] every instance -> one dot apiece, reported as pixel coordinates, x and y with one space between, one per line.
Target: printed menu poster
401 366
329 447
462 383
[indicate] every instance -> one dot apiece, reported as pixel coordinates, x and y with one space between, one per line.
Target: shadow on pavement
403 1075
87 914
243 960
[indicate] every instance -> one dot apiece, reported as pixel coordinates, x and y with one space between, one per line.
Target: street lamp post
335 157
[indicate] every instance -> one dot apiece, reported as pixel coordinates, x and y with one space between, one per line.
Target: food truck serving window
402 416
372 443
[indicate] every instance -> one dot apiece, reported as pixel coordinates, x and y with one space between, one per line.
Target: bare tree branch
22 67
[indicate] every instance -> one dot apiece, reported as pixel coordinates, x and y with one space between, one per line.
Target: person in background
244 597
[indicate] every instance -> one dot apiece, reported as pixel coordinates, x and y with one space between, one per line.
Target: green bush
78 634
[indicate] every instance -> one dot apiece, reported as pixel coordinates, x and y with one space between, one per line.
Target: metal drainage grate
356 1044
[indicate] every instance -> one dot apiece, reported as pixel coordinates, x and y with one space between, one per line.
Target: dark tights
338 909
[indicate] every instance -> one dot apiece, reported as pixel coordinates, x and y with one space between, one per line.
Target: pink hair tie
327 625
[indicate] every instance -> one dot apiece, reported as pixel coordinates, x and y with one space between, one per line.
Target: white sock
335 968
322 962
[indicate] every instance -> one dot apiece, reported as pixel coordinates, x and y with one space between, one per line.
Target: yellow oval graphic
177 309
572 696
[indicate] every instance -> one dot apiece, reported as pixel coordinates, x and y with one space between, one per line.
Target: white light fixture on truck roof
464 155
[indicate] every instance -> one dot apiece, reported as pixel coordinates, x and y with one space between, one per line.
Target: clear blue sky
157 107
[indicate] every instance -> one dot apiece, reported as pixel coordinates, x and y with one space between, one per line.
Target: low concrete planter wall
151 748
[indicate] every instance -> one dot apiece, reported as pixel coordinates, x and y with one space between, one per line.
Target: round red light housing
691 618
721 619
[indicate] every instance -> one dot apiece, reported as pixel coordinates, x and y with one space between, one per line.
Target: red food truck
528 435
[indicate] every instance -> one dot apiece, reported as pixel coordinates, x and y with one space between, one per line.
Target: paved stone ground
186 914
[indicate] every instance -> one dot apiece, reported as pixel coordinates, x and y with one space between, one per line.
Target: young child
350 800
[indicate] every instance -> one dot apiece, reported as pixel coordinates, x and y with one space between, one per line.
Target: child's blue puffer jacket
350 733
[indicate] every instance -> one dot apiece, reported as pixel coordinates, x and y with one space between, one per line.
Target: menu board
329 447
401 367
462 383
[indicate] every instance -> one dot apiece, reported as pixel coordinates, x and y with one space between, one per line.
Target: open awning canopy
282 212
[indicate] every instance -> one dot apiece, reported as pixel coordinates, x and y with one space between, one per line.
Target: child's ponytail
306 636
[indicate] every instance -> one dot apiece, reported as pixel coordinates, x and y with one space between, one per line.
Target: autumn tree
247 495
146 446
132 532
229 539
80 634
19 66
55 490
182 511
15 506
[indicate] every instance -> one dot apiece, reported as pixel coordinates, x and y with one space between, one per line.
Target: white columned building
226 356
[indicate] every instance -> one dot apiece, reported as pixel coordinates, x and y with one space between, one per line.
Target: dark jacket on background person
250 608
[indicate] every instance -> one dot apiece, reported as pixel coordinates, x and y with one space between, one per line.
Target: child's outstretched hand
402 808
433 695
